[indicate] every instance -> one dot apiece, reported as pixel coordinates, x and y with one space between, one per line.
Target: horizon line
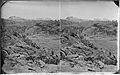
37 18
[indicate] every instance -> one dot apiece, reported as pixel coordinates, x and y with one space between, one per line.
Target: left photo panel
30 37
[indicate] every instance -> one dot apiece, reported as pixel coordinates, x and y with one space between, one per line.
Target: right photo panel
88 36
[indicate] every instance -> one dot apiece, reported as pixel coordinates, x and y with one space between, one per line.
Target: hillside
65 45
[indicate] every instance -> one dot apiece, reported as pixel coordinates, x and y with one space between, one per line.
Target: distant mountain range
15 18
75 19
70 18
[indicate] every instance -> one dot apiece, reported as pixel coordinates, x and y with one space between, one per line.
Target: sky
57 10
